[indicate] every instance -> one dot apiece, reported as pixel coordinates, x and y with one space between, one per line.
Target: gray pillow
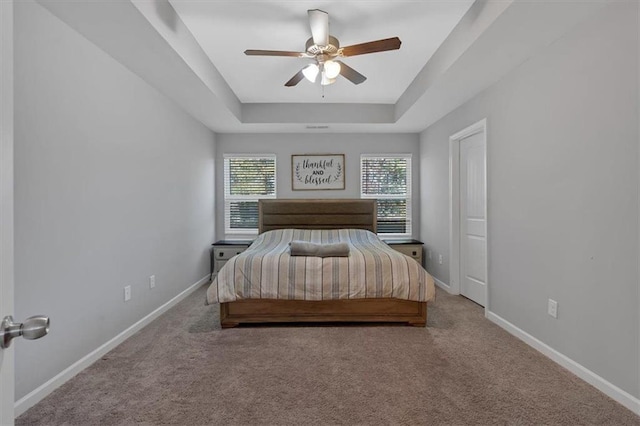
303 248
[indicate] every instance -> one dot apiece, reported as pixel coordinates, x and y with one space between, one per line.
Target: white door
6 205
473 248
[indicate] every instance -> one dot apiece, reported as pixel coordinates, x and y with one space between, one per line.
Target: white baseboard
442 285
609 389
35 396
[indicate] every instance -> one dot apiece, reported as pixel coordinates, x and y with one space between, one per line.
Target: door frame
7 382
454 207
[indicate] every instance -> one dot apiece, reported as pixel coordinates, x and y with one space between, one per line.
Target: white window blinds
387 178
247 178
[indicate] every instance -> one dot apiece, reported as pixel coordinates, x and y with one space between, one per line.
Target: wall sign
315 172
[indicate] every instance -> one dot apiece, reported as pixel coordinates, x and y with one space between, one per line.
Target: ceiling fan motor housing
331 50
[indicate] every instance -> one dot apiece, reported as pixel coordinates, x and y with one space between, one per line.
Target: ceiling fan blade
350 74
392 43
253 52
319 23
295 79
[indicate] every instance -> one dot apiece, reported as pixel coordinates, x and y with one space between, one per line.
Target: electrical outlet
127 293
440 259
152 281
552 308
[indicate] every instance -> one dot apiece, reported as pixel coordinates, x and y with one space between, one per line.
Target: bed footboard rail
252 311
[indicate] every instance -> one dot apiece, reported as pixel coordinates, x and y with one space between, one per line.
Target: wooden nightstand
224 250
412 248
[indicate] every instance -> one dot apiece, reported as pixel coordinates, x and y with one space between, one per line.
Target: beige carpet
461 369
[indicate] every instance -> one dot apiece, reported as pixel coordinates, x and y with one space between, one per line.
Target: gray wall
562 153
286 144
113 183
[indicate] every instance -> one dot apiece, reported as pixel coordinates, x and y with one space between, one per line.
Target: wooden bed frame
320 214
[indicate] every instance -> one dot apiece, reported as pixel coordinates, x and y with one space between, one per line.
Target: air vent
323 126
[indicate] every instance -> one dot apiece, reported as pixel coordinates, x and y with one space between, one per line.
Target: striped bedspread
266 270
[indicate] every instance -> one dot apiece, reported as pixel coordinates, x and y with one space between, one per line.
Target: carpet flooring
460 370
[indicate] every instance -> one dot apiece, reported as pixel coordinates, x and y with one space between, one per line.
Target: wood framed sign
316 172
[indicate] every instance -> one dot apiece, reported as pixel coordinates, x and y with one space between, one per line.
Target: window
387 178
247 178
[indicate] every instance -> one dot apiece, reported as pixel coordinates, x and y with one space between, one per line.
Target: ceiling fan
324 49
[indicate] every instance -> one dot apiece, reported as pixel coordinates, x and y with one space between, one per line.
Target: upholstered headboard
317 214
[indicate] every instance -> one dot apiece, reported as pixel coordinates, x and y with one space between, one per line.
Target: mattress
267 270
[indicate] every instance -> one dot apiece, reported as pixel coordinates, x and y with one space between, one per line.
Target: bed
265 284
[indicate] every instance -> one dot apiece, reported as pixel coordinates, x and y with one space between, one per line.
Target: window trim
407 196
240 232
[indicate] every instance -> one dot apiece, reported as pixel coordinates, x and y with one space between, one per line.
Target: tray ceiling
224 29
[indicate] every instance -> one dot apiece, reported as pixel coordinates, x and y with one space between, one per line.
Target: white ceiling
192 52
225 29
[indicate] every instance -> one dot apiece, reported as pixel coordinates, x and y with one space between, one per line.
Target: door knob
33 328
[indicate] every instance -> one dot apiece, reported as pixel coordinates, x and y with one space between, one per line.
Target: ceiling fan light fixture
331 69
311 72
325 81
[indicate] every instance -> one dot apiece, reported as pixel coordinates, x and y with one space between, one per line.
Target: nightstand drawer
410 247
226 253
409 250
224 250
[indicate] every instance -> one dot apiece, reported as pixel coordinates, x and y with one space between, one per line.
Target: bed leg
421 321
225 322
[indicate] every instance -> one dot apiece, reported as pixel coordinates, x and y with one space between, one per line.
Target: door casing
454 208
7 379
